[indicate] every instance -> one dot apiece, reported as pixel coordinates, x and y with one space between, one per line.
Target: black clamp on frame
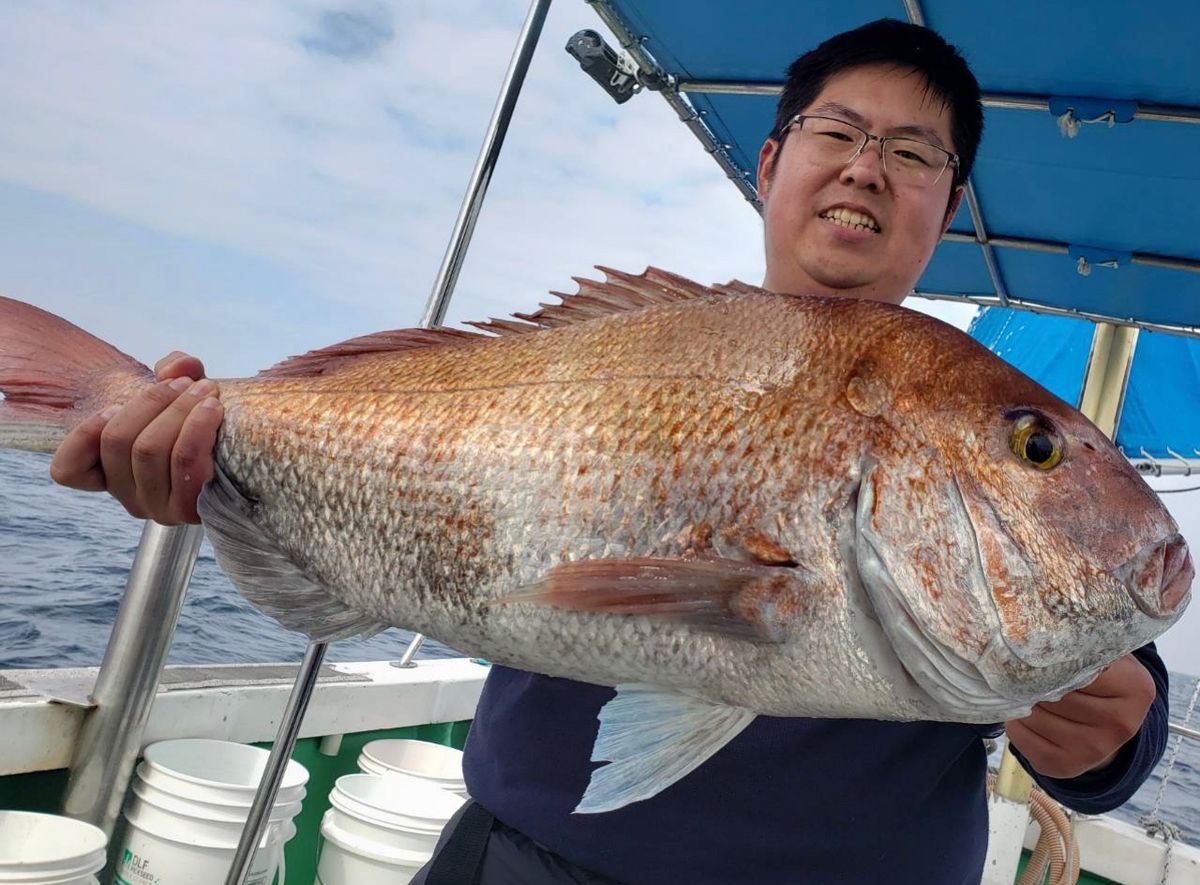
615 73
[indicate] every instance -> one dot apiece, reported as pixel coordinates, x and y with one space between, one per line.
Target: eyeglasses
827 141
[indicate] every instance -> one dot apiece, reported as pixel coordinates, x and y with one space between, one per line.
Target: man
875 135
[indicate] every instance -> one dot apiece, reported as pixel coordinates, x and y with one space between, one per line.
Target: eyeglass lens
906 160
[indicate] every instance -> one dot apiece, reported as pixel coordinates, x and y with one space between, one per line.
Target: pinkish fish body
726 502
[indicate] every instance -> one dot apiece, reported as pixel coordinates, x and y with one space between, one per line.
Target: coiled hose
1056 849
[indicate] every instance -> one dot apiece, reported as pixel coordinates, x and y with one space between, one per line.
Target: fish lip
1170 559
854 207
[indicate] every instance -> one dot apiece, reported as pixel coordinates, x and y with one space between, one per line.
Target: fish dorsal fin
620 292
320 361
737 287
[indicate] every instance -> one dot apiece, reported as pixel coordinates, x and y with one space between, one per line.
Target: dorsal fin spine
621 292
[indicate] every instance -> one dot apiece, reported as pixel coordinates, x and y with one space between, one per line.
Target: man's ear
768 156
956 196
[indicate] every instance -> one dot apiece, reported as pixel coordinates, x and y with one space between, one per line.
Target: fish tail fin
53 374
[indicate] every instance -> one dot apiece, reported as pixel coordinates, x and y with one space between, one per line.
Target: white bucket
381 829
438 764
45 849
189 806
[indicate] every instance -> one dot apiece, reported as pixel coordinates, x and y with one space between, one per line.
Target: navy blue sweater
788 800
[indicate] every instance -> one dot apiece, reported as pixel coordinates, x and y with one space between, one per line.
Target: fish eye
1035 442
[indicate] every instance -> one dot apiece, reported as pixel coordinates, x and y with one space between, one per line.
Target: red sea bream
723 501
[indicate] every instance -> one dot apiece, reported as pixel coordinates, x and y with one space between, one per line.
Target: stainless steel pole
485 165
111 736
281 752
481 177
435 312
414 646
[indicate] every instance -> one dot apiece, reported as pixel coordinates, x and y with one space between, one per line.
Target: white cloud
215 122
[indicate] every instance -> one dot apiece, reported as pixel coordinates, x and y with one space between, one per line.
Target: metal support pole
481 176
414 646
485 165
1103 394
281 752
915 15
1107 375
649 70
1006 100
435 312
110 739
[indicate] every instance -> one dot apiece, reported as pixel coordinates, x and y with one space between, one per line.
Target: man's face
810 254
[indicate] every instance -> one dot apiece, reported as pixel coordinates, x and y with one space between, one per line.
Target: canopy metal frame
675 91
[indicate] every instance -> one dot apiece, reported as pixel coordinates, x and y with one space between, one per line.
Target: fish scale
722 501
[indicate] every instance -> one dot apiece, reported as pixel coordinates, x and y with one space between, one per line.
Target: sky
247 181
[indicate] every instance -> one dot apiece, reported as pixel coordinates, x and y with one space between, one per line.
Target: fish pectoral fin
727 597
651 738
266 574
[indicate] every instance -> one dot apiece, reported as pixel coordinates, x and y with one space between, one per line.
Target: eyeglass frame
952 159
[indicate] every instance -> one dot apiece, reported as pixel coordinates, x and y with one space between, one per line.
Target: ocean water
65 556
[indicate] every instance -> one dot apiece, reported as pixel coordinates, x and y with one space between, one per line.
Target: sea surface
65 556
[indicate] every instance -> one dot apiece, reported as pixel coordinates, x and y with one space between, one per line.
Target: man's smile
853 219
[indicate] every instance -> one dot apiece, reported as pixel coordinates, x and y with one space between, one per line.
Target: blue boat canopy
1087 180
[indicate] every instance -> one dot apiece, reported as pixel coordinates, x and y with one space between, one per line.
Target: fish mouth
1159 577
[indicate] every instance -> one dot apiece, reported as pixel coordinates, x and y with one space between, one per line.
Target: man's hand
1084 730
154 454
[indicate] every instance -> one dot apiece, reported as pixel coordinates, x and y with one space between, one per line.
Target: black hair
889 41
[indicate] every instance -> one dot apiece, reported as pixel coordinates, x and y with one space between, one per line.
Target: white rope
1170 833
1068 123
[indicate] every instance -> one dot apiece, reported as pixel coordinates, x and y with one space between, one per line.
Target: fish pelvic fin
727 597
52 374
619 293
266 574
651 738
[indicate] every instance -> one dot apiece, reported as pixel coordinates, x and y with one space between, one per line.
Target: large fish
723 501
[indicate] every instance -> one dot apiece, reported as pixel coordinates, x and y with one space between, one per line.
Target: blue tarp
1107 193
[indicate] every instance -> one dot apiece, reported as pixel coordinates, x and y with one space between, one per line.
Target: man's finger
1044 754
1058 722
153 453
192 457
76 462
1077 707
1030 741
118 439
178 365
